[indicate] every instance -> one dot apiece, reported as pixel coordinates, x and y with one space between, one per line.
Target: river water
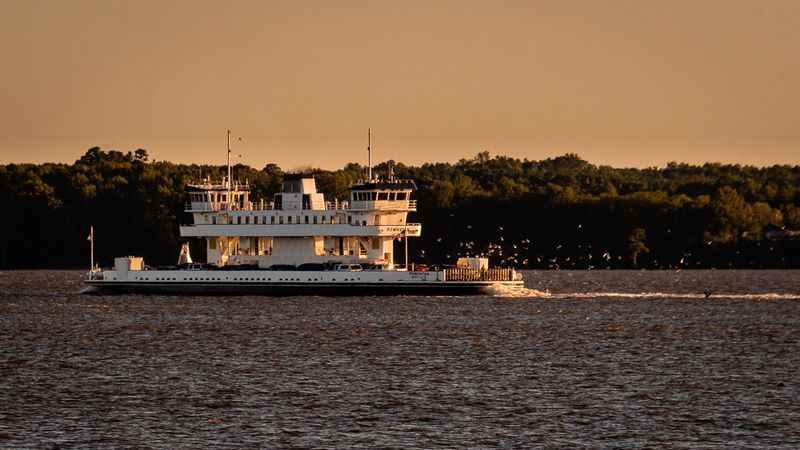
612 359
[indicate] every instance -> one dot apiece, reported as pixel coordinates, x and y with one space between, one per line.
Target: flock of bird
518 254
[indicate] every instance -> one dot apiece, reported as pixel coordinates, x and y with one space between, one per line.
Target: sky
627 83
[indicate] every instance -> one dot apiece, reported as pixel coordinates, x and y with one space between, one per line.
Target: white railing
212 207
94 275
495 274
336 206
385 205
389 205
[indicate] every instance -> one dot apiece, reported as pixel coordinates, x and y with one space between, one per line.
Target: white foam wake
688 296
517 292
88 290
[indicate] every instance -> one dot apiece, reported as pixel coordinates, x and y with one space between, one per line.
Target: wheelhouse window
383 196
401 195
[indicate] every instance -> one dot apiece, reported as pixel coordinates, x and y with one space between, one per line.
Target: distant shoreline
556 213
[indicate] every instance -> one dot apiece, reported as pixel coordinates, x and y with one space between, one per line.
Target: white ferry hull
274 283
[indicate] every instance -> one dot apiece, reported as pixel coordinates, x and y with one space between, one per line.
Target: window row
240 279
214 197
372 196
280 220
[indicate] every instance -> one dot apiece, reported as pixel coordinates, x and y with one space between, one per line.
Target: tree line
554 213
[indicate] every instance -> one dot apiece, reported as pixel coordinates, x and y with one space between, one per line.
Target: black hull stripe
327 289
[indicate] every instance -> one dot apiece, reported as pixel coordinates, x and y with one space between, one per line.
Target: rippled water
594 360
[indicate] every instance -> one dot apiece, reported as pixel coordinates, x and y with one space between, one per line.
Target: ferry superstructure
298 226
299 243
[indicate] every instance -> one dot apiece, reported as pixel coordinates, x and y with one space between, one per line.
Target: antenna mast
91 248
228 199
369 155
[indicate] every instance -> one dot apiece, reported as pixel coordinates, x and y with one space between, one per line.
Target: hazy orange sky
624 83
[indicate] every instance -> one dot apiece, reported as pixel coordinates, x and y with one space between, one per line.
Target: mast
91 248
228 184
405 242
369 156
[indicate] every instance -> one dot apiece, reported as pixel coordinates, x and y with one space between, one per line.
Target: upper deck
301 194
373 208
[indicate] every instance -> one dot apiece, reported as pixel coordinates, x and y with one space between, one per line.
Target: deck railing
383 205
94 275
496 274
408 205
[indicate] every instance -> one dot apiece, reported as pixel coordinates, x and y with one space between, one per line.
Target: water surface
609 359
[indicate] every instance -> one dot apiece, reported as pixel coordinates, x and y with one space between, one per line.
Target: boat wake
504 291
88 290
673 295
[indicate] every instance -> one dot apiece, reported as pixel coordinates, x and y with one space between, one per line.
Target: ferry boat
300 244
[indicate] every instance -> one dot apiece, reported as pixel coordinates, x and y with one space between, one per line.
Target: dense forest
555 213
